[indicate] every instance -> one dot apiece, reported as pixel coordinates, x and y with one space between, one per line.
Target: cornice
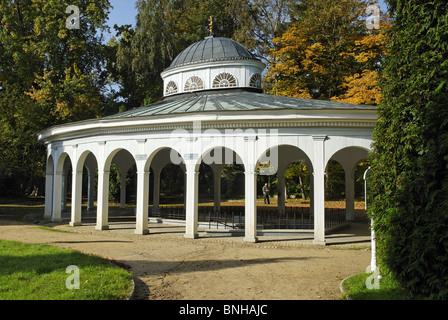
85 131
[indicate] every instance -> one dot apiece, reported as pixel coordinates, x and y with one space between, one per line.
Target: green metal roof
211 49
232 100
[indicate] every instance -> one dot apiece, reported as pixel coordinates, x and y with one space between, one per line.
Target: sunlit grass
387 288
38 272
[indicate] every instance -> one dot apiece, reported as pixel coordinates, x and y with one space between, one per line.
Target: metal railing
232 217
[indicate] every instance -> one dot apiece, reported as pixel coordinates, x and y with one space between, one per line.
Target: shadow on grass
46 262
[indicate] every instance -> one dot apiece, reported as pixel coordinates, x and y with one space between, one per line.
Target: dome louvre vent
224 80
194 83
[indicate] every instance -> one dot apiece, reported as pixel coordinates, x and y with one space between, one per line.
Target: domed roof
212 49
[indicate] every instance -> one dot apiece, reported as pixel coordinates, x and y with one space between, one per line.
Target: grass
38 272
355 287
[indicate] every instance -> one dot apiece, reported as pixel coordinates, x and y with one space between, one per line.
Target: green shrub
409 177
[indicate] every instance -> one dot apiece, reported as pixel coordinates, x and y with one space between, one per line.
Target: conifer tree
409 176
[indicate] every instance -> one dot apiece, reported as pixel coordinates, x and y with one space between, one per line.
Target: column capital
250 172
141 157
250 138
320 137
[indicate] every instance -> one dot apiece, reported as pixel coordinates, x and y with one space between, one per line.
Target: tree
369 52
297 179
317 53
409 177
49 74
165 28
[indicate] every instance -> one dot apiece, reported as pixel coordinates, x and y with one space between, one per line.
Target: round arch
335 149
123 155
275 161
60 185
124 159
349 158
221 155
88 160
281 155
174 155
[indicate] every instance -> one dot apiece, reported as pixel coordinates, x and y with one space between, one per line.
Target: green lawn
38 272
388 289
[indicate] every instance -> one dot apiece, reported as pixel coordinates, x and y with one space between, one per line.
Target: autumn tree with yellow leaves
328 53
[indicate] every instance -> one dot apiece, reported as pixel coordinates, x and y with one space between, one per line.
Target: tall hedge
409 176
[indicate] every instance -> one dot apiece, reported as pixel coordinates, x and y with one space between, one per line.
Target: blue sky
124 12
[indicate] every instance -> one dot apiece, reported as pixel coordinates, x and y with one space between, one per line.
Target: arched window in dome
194 83
224 80
171 88
255 81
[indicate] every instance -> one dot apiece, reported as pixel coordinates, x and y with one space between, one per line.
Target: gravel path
168 266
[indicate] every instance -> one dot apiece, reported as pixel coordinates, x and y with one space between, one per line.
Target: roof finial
211 25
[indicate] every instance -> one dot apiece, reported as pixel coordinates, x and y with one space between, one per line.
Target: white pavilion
213 112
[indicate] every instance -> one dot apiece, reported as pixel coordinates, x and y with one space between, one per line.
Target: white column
57 195
349 194
217 185
142 200
64 189
48 195
250 206
76 198
103 199
308 165
319 189
281 190
156 186
191 227
90 188
185 190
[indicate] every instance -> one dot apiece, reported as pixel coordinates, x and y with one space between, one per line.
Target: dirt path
168 266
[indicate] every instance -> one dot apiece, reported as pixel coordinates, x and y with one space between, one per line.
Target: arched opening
220 175
89 181
167 179
122 186
84 189
284 189
61 190
345 184
116 167
221 189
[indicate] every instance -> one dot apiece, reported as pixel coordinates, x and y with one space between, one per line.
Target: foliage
297 179
72 98
165 28
327 53
232 175
410 160
49 74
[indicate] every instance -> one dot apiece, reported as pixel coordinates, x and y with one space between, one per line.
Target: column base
75 224
322 243
191 236
142 232
253 240
102 228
